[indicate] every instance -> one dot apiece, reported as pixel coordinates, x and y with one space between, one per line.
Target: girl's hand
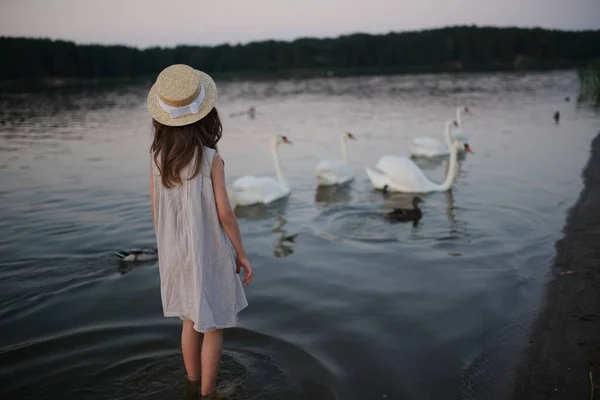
242 262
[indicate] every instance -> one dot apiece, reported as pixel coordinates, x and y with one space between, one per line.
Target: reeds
590 81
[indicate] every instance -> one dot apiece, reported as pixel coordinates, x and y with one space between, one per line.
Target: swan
249 190
432 147
460 134
336 172
401 174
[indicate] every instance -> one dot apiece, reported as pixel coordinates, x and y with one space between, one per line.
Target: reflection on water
283 248
262 211
393 200
124 268
450 206
344 305
333 194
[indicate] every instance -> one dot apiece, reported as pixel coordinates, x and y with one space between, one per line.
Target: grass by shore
590 81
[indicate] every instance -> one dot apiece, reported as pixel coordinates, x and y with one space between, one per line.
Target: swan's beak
287 141
351 136
468 148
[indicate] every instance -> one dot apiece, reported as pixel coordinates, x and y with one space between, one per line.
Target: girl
194 223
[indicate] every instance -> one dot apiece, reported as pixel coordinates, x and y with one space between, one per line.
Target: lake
344 304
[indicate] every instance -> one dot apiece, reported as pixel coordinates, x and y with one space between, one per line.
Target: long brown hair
174 147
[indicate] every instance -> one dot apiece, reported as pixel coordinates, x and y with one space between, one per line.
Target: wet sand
564 346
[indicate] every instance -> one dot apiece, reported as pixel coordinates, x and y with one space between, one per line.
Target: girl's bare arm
226 215
152 193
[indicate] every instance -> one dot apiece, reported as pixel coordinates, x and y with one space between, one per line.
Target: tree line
448 49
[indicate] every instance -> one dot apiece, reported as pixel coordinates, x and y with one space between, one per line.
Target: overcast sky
168 22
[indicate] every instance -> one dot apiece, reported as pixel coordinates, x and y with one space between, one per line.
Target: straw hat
181 96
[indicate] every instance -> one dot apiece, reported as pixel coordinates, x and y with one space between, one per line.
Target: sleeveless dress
195 257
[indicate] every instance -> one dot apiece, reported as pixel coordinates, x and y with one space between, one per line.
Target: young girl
194 223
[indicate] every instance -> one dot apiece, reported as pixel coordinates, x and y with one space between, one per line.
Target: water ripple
355 223
344 304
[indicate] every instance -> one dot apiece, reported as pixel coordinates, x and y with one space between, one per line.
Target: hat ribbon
193 108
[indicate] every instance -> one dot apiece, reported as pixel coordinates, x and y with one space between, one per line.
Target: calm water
352 308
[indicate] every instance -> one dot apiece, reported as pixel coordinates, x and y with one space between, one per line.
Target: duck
336 172
249 190
405 214
433 147
557 117
137 255
401 174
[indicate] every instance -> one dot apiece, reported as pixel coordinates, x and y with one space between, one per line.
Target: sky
146 23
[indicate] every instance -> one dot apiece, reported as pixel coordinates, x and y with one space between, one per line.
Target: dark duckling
557 117
406 214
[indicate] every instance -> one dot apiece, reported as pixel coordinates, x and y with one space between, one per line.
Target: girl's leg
191 345
211 355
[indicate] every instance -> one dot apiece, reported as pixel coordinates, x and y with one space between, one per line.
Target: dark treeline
447 49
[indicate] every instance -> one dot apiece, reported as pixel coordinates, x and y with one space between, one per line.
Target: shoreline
562 357
45 83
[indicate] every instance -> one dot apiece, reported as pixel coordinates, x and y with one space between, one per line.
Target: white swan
432 147
249 190
459 133
401 174
336 172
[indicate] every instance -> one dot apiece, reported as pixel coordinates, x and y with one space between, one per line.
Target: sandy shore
564 346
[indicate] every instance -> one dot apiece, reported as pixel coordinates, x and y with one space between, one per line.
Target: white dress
195 257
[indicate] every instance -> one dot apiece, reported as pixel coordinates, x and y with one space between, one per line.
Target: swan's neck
276 164
343 147
447 136
452 169
458 114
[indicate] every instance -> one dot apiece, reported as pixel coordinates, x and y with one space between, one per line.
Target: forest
466 48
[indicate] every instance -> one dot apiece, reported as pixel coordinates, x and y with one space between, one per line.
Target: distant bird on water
137 255
557 117
250 112
406 214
